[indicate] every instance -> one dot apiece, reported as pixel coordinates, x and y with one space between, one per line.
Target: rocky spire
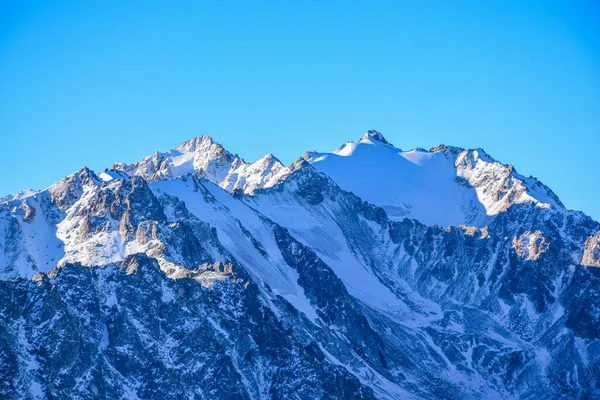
374 136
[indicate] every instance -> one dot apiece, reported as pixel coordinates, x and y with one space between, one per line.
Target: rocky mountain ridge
194 274
206 158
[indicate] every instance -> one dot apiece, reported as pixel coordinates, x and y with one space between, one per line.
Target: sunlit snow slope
444 186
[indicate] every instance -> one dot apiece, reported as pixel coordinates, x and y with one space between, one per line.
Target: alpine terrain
366 273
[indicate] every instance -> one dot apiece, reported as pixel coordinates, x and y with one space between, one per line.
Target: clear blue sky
91 83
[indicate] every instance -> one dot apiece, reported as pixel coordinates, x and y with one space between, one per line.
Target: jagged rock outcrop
591 252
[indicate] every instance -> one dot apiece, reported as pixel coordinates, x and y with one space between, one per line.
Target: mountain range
369 272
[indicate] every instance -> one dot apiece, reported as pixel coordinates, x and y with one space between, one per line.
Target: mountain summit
204 157
374 136
444 186
369 272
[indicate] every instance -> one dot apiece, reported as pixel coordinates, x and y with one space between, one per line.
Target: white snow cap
443 186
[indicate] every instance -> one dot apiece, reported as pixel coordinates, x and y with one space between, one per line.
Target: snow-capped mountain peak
204 157
18 196
445 185
373 136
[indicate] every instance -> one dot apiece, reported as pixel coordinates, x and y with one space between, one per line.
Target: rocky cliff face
154 280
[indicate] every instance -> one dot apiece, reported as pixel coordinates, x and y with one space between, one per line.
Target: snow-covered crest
206 158
444 186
